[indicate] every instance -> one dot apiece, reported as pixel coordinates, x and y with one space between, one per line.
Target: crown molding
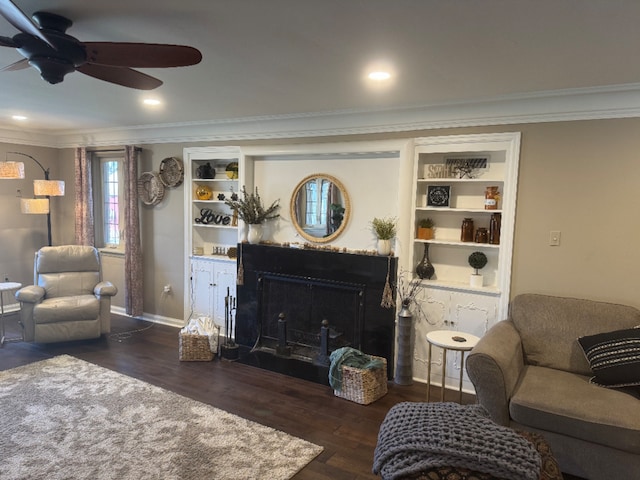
621 101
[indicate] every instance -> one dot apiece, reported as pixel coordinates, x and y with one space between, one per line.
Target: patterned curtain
84 199
133 282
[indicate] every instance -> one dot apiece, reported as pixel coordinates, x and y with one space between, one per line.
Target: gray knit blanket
417 436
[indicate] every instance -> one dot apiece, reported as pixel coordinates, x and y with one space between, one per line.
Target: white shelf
221 202
458 286
213 180
453 210
219 258
459 180
456 243
208 225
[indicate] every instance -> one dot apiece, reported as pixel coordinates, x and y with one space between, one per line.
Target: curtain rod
137 149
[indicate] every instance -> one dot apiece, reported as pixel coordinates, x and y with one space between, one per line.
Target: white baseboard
151 317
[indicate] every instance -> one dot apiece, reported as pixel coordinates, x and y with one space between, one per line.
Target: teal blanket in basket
353 358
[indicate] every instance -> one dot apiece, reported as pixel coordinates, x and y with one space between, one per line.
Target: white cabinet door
202 282
211 281
443 309
469 313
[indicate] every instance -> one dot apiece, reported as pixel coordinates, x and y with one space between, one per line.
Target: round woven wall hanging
171 172
150 188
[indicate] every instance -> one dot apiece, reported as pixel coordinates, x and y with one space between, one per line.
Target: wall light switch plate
554 238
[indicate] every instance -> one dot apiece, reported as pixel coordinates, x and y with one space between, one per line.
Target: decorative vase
243 233
384 246
255 233
466 231
404 351
482 235
494 228
425 269
203 192
491 197
205 171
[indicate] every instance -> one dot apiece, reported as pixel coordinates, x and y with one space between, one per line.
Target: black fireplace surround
286 295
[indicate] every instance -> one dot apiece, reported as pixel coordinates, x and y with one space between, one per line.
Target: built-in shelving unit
498 156
449 301
211 230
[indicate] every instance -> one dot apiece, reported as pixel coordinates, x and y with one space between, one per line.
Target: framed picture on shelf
438 195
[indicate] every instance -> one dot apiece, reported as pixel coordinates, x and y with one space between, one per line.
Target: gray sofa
530 373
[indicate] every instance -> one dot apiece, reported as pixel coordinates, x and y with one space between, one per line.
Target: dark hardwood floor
347 431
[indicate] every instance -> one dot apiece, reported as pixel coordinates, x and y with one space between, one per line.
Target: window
317 194
109 202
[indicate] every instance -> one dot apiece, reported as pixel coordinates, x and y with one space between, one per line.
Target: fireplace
297 305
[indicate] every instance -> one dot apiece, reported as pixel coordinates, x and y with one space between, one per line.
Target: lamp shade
11 170
50 188
34 206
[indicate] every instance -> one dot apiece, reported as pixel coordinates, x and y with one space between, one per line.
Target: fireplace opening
288 293
292 309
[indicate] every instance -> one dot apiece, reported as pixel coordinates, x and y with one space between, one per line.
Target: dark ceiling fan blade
121 76
8 42
141 55
19 65
18 19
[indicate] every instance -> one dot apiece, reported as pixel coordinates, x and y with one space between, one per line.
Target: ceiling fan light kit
45 45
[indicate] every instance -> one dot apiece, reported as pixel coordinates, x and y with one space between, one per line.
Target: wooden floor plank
348 431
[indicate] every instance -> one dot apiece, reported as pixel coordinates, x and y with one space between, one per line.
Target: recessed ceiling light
153 102
20 118
379 75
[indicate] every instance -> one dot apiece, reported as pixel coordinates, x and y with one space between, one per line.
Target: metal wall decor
208 216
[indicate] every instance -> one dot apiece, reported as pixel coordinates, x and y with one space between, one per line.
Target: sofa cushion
550 326
568 404
67 309
614 357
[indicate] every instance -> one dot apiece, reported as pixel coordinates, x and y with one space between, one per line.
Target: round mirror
320 208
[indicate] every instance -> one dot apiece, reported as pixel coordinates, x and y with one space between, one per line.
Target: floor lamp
41 188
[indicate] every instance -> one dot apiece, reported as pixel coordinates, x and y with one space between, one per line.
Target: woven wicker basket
363 386
194 348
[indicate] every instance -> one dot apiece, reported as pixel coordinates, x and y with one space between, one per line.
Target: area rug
64 418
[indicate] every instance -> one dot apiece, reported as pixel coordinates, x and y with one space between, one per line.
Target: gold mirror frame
293 209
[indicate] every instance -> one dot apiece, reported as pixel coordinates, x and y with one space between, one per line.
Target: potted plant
337 215
477 260
251 211
425 229
385 230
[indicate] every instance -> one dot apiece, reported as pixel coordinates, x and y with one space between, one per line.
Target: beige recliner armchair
69 300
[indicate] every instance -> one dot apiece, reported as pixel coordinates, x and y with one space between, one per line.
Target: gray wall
578 177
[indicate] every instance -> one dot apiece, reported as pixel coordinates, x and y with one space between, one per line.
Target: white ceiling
279 59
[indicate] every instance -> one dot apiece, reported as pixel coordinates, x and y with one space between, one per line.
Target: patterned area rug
66 418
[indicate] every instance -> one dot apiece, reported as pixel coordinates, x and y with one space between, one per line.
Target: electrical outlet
554 238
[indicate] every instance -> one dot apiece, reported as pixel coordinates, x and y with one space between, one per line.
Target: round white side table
6 287
449 340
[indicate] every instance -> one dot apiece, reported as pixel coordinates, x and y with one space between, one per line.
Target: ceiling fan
45 46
